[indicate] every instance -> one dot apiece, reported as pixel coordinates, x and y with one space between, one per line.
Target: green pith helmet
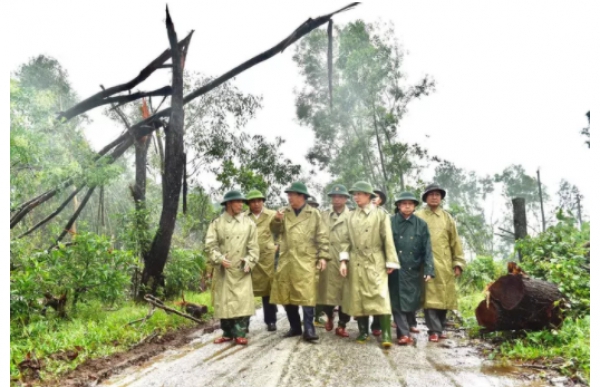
298 187
255 194
311 200
431 188
339 189
362 186
406 196
382 196
232 195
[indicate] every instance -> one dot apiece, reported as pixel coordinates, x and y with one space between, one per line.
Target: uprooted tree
171 119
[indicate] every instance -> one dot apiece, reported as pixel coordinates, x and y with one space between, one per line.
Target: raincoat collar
230 218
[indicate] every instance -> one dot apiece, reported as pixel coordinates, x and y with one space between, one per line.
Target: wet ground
270 361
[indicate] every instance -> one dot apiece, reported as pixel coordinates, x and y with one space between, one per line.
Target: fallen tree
516 301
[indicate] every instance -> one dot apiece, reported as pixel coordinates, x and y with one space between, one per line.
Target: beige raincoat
303 242
235 238
440 292
262 274
372 252
330 281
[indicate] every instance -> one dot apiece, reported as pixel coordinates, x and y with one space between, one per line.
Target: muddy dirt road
270 361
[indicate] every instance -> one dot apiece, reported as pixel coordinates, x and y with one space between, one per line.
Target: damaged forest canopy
89 259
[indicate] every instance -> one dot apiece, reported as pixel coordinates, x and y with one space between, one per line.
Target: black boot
294 319
309 328
363 329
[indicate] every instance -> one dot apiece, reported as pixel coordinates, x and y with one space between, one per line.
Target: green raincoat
412 241
372 252
236 238
330 281
262 274
303 242
440 293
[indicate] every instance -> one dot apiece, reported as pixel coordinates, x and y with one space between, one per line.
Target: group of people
365 262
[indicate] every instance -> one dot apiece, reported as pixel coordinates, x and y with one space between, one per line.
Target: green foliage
560 255
87 269
100 332
571 343
480 272
183 271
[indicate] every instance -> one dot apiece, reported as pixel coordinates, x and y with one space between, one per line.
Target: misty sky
513 79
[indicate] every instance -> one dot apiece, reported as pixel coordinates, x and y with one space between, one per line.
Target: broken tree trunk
517 302
519 220
156 257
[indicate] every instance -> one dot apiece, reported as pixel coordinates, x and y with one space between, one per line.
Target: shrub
183 271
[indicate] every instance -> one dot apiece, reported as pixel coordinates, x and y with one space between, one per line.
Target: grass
98 331
571 343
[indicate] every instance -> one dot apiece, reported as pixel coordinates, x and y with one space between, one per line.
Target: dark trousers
402 320
343 317
293 315
435 320
234 327
375 325
412 319
269 310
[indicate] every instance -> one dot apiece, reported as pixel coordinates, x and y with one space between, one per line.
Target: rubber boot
363 329
386 327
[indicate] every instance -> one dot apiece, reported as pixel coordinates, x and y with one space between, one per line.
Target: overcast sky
513 78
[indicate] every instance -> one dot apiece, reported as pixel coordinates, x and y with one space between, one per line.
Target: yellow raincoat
235 238
372 252
262 274
330 281
440 292
303 242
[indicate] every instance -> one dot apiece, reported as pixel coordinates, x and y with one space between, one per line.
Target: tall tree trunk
519 219
541 200
156 258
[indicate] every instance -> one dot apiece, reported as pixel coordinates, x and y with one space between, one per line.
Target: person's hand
246 268
457 271
343 269
390 270
226 263
279 215
322 264
427 278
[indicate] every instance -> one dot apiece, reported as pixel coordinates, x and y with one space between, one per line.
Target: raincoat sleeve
322 239
387 237
345 244
276 227
458 258
252 250
215 255
428 269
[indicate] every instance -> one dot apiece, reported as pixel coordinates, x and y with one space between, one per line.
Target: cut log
517 302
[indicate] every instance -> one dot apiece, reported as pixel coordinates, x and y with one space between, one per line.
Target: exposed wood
124 99
74 217
517 302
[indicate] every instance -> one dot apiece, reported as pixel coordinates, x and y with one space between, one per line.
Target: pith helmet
338 189
362 186
431 188
232 195
255 194
406 196
298 187
312 201
382 195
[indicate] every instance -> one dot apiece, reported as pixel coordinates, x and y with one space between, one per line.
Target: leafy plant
560 255
183 271
480 272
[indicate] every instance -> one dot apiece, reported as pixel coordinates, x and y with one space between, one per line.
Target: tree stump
517 302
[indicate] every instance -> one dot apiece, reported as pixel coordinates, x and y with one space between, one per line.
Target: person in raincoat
304 252
372 258
263 272
413 244
232 248
448 262
379 200
331 283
